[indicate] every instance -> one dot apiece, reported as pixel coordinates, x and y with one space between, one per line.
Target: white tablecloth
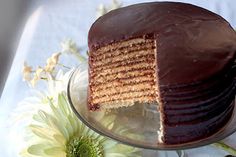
55 20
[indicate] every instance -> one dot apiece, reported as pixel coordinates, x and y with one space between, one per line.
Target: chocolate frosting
193 44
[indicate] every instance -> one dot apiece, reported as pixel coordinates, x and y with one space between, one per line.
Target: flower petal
55 151
37 149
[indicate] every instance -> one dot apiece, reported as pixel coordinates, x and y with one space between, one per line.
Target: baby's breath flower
37 76
52 62
115 4
102 9
39 72
27 70
55 57
69 47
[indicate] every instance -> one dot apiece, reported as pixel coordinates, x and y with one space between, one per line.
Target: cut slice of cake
176 55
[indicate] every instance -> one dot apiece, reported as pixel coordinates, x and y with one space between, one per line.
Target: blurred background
13 15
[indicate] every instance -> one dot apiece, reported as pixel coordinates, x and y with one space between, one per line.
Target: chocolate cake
177 55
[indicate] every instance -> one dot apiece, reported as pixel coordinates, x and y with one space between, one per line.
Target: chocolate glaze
190 38
178 134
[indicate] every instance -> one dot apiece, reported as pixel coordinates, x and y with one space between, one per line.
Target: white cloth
55 20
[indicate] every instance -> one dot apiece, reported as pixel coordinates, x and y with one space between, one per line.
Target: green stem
80 57
225 147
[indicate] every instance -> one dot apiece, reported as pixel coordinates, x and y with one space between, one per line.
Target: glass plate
135 126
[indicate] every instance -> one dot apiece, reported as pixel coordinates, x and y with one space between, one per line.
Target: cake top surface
192 43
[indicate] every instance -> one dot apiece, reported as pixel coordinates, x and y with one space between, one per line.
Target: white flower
27 70
55 131
69 46
60 133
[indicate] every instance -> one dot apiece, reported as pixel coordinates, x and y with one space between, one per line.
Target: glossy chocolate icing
178 134
190 38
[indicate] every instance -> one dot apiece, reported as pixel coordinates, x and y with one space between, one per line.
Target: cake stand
135 126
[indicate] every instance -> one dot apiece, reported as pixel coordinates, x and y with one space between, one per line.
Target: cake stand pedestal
137 125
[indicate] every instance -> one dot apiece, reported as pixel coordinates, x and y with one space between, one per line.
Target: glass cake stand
136 125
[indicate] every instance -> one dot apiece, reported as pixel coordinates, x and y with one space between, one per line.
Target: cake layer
121 69
119 52
124 44
128 56
128 62
116 90
122 103
121 82
125 96
125 75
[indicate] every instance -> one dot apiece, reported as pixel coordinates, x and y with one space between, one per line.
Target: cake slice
176 55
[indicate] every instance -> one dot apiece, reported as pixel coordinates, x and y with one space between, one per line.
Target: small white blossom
39 72
37 76
68 47
55 57
27 70
52 62
102 9
115 4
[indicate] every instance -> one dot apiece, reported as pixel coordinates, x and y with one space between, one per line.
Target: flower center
84 147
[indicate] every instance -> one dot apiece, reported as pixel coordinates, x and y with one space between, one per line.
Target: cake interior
124 73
